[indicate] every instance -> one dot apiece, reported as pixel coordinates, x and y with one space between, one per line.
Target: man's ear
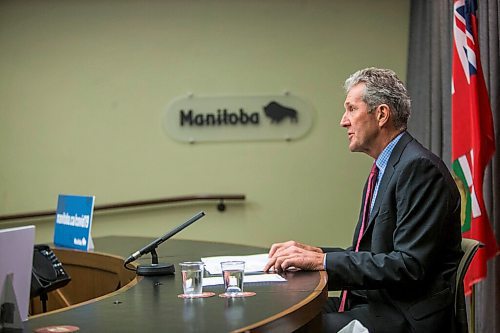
383 113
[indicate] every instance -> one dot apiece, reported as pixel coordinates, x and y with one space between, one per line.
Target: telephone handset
48 272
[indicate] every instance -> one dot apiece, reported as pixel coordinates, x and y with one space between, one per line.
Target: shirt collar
383 158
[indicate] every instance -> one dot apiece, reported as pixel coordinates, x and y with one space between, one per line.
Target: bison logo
277 112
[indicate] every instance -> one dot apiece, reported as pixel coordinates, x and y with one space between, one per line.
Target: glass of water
192 277
233 273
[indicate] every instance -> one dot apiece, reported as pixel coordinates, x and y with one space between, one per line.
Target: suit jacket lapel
386 178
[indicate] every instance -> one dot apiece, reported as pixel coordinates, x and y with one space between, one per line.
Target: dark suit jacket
405 269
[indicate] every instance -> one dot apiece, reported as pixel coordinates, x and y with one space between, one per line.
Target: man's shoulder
411 149
415 156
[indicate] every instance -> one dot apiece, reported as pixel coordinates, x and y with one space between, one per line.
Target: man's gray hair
382 86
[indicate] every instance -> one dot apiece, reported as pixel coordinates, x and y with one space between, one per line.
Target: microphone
155 268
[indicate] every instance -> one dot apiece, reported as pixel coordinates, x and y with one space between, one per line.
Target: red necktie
372 179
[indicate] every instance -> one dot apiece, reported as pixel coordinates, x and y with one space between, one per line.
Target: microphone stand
156 268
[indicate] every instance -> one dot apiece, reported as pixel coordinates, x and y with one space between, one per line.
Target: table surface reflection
153 305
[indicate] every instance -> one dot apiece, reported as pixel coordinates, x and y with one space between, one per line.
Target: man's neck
384 140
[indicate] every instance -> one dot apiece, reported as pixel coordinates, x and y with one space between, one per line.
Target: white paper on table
216 280
253 263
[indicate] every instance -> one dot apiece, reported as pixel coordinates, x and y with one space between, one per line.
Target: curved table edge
294 315
127 286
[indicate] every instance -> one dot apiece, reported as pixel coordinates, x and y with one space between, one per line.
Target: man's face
362 127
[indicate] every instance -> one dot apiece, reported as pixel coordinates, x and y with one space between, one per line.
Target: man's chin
353 148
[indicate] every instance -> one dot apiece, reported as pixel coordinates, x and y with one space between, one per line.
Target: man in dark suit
399 274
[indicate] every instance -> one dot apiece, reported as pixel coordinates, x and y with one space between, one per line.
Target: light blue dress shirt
381 162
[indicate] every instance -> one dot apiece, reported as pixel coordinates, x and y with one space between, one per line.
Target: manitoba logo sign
237 118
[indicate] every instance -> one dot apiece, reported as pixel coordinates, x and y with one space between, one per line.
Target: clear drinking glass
192 277
233 273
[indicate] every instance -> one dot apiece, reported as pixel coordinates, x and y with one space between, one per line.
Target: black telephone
48 272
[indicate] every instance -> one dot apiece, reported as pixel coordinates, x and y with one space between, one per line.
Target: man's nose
344 122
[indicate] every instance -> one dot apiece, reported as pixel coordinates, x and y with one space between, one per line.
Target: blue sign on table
74 221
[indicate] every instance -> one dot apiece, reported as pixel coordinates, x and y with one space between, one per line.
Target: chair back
469 247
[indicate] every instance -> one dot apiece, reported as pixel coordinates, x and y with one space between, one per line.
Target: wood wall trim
135 204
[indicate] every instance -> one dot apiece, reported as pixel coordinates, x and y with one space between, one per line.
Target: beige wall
83 85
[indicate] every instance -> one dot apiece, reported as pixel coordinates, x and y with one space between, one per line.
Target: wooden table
150 304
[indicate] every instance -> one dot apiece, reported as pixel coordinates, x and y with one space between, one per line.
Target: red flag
473 142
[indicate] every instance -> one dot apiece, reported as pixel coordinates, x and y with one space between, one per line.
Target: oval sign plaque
237 118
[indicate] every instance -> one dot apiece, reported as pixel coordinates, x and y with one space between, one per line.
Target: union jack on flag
473 142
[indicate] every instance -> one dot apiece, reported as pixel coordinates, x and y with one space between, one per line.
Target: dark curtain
429 84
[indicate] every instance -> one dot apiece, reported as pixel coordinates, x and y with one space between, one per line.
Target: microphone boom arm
151 247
